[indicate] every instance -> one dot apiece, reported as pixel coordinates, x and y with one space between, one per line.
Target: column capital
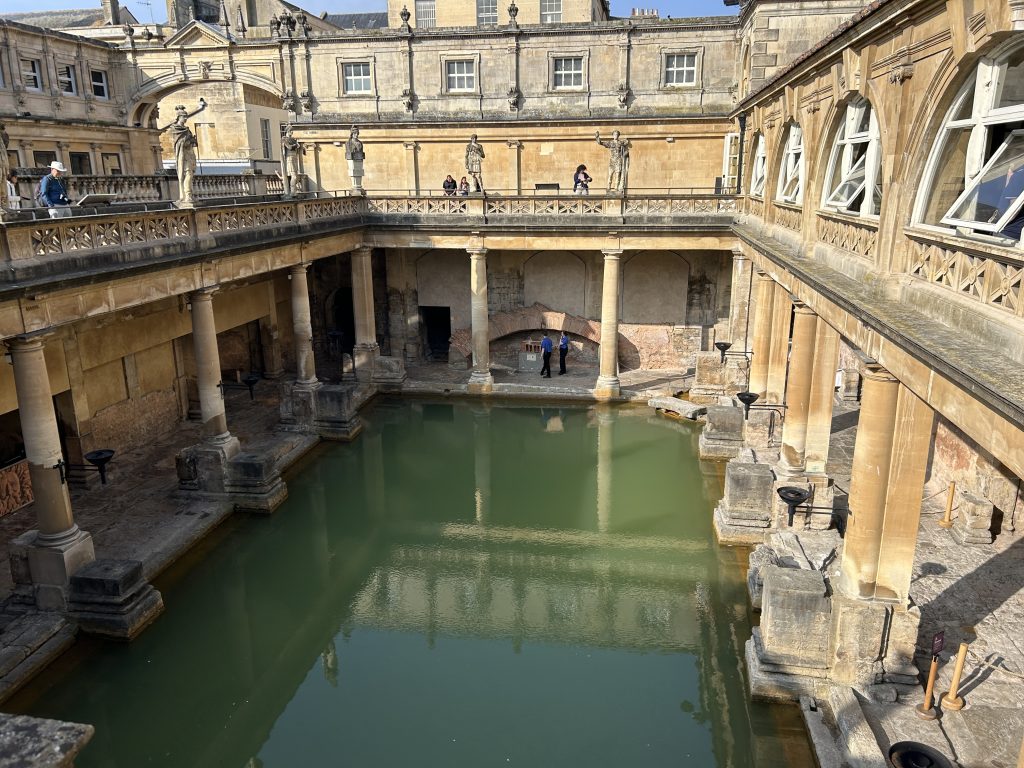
63 144
800 308
28 343
477 252
298 269
203 294
739 255
875 372
612 253
362 250
762 275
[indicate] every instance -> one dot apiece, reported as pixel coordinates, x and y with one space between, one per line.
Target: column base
220 471
743 516
389 373
480 383
43 569
365 358
786 471
722 436
607 387
328 410
112 599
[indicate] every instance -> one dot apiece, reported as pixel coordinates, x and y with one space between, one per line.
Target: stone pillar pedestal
607 386
328 410
713 380
798 393
745 511
849 389
480 381
761 338
43 560
722 436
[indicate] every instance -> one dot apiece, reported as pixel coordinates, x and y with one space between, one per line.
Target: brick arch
532 318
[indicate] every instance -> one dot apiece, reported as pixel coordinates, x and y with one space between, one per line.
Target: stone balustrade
147 189
851 233
32 248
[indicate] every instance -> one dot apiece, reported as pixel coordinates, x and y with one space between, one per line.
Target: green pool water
463 585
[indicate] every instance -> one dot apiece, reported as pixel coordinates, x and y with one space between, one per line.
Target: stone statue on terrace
291 149
618 162
5 170
355 155
474 163
185 144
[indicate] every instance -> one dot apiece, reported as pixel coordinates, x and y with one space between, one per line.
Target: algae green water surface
464 585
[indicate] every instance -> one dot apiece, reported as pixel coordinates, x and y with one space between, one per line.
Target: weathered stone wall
955 457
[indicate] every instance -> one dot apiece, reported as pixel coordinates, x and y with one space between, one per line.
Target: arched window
852 183
758 167
974 180
791 171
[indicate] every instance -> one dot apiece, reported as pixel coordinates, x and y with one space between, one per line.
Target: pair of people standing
451 188
546 347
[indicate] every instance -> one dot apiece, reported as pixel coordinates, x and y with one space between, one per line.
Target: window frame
36 72
691 69
992 228
555 73
979 93
416 9
72 72
758 168
845 165
550 13
791 171
344 78
698 68
466 58
105 84
479 13
266 139
553 56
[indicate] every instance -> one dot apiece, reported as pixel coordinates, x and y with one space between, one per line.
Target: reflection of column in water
482 461
320 532
373 472
605 420
329 660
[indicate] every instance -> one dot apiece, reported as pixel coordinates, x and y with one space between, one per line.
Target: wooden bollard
925 710
947 519
950 699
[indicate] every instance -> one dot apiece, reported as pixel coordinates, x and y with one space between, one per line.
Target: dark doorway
437 324
344 319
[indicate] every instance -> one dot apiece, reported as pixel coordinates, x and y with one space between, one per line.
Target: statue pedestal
355 172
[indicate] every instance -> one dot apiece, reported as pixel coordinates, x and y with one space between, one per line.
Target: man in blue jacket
53 192
545 348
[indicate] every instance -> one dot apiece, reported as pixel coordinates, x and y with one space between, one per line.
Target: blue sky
157 11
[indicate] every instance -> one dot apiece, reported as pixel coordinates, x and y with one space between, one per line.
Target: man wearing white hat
53 193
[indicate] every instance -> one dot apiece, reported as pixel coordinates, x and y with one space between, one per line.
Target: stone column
305 362
57 548
778 357
480 381
62 154
204 343
798 392
97 160
739 302
607 385
869 483
366 349
761 334
819 416
910 448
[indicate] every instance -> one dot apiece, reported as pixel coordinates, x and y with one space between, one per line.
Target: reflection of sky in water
460 586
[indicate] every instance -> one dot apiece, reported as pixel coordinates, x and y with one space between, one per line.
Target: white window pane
461 75
486 11
550 11
357 77
995 195
426 15
30 74
99 84
67 80
1011 82
568 73
850 185
681 69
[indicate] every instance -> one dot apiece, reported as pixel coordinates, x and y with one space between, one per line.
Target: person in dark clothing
563 350
450 185
545 348
581 181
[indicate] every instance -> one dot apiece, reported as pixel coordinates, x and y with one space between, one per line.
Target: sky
156 10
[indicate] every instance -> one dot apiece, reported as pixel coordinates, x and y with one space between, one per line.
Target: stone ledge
32 742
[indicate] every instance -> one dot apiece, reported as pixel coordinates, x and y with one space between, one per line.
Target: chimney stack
112 13
644 13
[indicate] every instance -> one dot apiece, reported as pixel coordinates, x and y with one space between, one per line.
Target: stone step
682 408
39 657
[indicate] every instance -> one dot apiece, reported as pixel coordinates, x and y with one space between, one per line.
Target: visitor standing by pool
563 350
545 348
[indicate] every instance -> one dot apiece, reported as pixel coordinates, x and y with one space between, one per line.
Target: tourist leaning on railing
53 193
13 198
